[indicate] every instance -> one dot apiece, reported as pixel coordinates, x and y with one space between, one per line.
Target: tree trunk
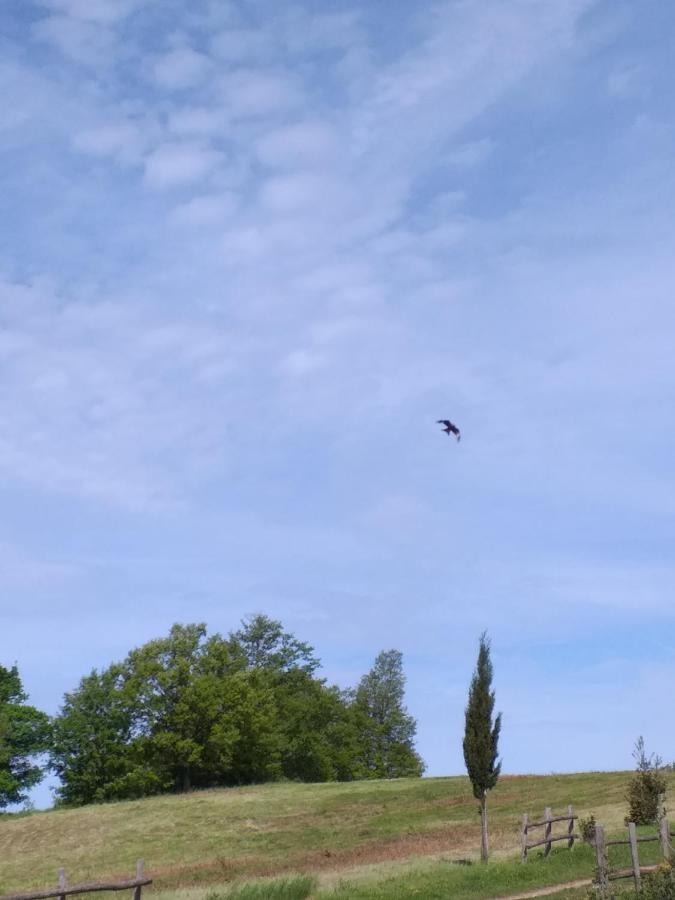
483 829
186 779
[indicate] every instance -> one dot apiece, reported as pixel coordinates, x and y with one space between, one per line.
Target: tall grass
296 888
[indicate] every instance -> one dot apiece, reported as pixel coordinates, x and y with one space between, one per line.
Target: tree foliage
481 735
24 734
481 732
647 788
386 729
191 710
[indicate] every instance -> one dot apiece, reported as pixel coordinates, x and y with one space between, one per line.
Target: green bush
587 829
295 888
647 787
659 886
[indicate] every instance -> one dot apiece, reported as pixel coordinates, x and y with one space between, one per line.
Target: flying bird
449 428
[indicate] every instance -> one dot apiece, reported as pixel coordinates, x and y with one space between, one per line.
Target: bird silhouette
449 428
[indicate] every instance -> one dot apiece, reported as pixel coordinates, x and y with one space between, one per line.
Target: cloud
91 395
251 93
19 569
208 210
180 68
239 45
123 141
202 121
470 154
174 165
322 234
299 145
81 40
102 12
299 363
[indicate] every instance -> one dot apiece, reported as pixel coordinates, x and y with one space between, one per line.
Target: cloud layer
251 252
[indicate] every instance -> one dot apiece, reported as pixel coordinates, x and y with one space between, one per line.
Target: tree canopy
24 734
481 735
193 710
386 729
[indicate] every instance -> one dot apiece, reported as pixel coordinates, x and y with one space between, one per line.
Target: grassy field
409 837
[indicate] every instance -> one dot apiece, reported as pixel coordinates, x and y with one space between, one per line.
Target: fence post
570 827
664 831
547 832
62 883
634 857
523 840
139 875
601 860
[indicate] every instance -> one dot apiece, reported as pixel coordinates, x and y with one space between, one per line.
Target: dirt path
547 891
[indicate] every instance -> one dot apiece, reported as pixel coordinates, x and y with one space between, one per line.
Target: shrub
659 886
647 787
587 829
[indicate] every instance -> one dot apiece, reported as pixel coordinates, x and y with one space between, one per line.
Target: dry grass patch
213 837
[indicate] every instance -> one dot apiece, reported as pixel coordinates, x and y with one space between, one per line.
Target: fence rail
605 874
63 890
549 838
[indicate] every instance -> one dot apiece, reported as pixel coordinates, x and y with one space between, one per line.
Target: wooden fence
62 890
605 874
549 838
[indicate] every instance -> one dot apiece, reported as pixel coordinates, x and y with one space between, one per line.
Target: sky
251 251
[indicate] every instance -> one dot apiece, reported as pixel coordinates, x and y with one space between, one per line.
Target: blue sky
251 251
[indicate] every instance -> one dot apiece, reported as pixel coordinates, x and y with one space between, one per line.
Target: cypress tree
481 736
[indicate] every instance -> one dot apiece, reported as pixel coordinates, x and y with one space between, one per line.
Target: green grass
298 888
497 879
476 881
366 833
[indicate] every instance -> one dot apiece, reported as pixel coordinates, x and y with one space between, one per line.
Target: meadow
368 839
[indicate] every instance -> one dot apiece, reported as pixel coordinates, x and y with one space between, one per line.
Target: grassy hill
365 833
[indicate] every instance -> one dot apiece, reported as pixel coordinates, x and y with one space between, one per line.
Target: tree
24 734
316 734
179 712
189 710
647 787
265 645
96 748
481 736
386 729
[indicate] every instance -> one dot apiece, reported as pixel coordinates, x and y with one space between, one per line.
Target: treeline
193 710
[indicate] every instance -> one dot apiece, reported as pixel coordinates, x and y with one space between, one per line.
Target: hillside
211 837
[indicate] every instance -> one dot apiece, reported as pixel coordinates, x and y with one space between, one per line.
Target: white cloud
253 93
19 569
93 394
123 141
103 12
324 31
299 363
195 120
470 154
178 164
207 210
334 274
180 68
83 41
240 45
299 145
322 197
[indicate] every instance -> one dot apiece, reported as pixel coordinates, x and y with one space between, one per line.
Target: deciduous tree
24 734
385 727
